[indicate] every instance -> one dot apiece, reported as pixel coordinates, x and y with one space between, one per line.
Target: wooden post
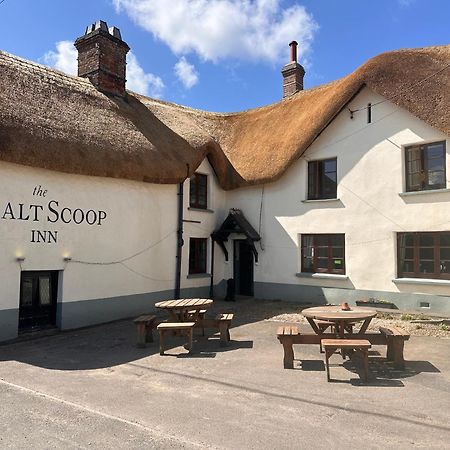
141 335
224 334
288 360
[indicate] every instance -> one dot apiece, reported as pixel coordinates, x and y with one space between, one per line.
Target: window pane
321 240
408 253
445 266
44 291
445 253
409 240
435 150
426 240
436 179
436 164
337 240
329 165
322 252
426 253
307 264
408 266
27 292
338 252
445 240
322 263
426 266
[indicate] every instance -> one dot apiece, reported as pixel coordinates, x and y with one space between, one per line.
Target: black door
38 292
243 267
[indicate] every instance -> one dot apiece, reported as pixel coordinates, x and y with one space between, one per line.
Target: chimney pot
114 31
102 58
293 46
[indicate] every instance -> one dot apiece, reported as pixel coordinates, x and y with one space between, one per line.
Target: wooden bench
224 322
145 324
396 338
183 328
360 345
286 335
195 315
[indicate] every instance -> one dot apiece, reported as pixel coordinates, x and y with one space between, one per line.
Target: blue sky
225 55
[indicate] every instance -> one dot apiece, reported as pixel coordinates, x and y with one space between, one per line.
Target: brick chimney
293 74
102 58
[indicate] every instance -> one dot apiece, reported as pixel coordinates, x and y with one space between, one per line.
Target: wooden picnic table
185 310
341 318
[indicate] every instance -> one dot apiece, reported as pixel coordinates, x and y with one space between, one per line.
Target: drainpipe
211 286
179 240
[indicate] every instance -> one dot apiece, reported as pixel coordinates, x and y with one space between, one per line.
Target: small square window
322 179
198 191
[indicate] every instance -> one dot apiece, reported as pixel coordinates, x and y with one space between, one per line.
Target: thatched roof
60 122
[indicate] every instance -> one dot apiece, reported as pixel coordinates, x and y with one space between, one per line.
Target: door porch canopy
236 223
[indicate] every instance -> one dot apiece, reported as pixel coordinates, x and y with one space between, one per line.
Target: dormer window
425 167
198 192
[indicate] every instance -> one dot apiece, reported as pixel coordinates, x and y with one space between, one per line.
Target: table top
185 303
335 313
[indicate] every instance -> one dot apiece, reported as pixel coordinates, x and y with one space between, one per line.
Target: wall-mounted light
20 259
67 258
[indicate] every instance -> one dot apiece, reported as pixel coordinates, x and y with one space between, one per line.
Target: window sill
191 208
199 275
321 276
429 191
321 200
428 281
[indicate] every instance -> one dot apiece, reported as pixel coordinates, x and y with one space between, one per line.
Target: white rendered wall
210 220
369 209
139 216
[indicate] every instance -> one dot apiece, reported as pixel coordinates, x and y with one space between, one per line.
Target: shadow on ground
114 344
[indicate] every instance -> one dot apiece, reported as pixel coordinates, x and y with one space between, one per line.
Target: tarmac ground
93 388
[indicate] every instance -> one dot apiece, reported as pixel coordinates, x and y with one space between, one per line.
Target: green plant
418 327
407 317
445 327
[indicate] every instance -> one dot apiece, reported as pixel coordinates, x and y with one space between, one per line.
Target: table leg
313 325
365 325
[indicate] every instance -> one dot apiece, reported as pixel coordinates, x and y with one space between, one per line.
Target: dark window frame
198 191
317 180
317 251
198 256
423 172
415 254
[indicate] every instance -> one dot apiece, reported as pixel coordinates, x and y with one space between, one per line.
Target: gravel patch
414 329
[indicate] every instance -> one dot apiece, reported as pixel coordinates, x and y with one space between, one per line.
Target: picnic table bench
392 337
182 328
222 322
360 345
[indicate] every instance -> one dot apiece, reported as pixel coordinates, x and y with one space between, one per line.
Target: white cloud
186 73
141 82
65 59
405 3
258 30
